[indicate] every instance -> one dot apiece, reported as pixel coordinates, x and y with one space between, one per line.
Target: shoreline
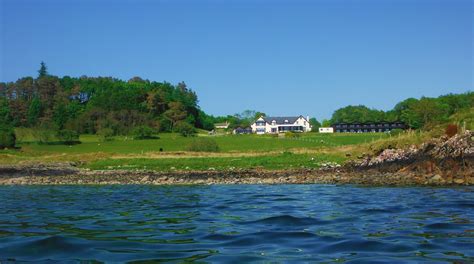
415 174
439 162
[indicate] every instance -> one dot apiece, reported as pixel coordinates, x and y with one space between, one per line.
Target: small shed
326 130
222 125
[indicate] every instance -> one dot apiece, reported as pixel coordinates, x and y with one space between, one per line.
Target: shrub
43 135
23 134
396 131
203 145
105 134
68 137
7 137
292 135
185 129
451 130
143 132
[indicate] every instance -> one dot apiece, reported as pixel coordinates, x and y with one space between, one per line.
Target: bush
105 134
451 130
396 131
185 129
7 137
203 145
68 137
143 132
23 134
292 135
43 135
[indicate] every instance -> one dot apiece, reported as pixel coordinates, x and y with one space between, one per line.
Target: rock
145 179
436 178
459 181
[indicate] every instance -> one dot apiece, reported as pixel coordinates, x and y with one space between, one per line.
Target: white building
222 125
273 125
326 130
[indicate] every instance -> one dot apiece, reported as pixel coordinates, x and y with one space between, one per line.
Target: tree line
416 113
108 106
91 104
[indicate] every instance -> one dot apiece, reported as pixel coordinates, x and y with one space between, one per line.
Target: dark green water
235 224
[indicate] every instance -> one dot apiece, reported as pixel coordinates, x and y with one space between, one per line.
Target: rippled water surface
240 223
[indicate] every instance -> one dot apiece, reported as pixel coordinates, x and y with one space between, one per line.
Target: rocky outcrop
447 160
457 147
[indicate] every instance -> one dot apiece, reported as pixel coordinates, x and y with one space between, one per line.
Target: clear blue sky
280 57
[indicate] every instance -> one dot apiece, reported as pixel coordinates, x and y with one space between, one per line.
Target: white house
273 125
326 130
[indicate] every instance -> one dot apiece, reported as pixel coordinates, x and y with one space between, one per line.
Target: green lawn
286 160
236 151
229 143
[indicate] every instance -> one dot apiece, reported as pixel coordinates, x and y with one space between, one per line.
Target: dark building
239 130
368 127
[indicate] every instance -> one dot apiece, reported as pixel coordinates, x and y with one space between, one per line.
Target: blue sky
280 57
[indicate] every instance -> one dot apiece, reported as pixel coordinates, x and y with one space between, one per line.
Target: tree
34 112
315 125
185 129
5 117
326 123
175 113
357 114
259 114
143 132
428 110
60 115
7 136
43 71
68 137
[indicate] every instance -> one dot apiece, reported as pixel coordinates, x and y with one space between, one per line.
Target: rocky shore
443 161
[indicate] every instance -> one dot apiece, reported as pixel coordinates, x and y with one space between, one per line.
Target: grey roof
280 120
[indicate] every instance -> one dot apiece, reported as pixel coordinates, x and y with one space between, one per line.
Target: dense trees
90 104
109 106
416 113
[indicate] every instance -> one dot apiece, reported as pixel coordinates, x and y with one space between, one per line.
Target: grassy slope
229 143
242 151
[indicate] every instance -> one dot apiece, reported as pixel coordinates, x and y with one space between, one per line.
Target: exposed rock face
456 147
447 160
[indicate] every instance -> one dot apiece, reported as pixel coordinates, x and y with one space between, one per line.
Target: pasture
308 150
170 142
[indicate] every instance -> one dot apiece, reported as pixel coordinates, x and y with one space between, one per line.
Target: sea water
236 223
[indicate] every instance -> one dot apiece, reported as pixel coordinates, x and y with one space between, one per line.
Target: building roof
280 120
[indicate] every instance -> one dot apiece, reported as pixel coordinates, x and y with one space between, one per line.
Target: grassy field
286 160
236 151
228 143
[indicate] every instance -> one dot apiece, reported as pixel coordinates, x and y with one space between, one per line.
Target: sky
281 57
